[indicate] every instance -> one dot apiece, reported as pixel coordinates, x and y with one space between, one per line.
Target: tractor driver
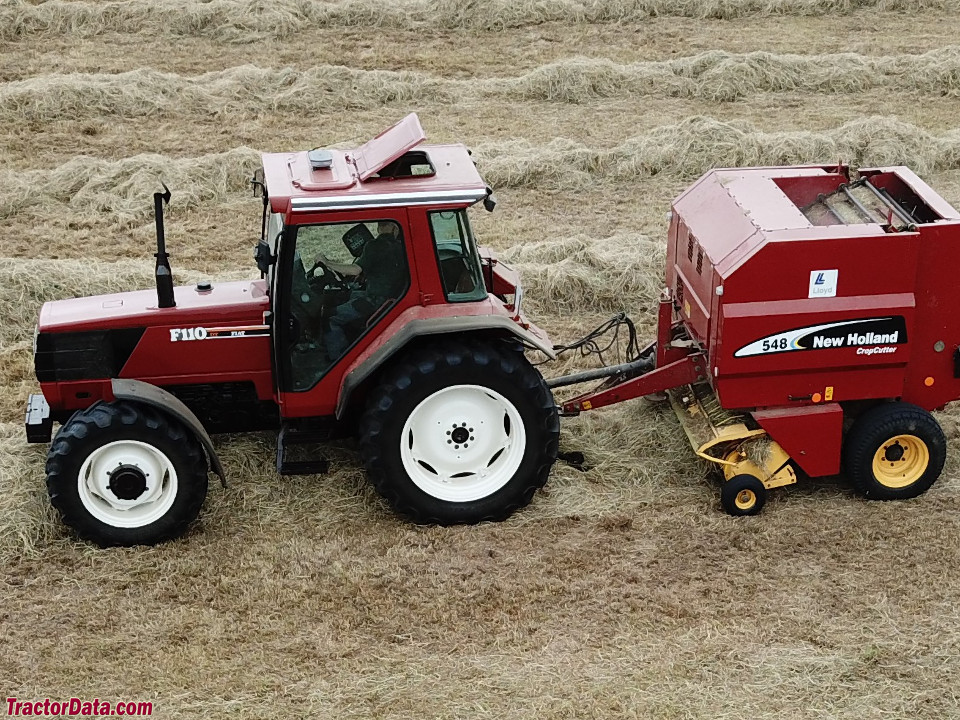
381 270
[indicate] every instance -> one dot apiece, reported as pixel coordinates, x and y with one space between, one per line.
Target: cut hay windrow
722 76
92 191
88 190
565 275
714 75
248 20
244 89
695 145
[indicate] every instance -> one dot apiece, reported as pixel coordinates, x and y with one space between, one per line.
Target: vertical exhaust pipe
163 274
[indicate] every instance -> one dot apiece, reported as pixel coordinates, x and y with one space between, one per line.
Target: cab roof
391 170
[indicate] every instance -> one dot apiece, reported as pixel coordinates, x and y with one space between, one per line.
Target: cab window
345 277
457 256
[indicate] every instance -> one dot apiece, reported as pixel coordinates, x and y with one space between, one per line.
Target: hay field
622 591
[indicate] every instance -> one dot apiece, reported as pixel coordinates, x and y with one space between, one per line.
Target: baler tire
484 383
113 432
882 429
743 495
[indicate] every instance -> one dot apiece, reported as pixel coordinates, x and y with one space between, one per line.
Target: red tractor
807 324
375 312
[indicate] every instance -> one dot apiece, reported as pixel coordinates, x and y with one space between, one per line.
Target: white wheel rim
462 443
118 467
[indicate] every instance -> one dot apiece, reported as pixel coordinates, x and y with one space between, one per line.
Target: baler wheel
894 451
743 495
460 432
125 474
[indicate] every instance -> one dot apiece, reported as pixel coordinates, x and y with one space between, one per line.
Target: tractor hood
242 301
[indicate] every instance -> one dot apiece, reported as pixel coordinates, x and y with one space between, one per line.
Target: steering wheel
329 278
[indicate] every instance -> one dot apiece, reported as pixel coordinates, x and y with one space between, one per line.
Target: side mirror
264 257
259 188
489 202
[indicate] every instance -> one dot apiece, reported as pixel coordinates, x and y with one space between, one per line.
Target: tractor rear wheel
459 433
894 451
126 474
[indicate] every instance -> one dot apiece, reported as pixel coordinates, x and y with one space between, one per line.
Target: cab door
341 276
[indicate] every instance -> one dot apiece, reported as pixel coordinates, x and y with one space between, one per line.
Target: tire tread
879 424
405 376
68 451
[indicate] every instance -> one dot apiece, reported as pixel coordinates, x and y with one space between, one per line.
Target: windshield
457 256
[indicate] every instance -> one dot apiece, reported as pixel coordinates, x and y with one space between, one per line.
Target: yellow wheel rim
900 461
745 499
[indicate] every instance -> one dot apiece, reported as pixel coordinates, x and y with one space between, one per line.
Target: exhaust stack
163 274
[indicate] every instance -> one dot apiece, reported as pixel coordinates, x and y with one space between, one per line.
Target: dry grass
698 143
622 591
28 519
90 189
715 75
87 188
565 275
248 20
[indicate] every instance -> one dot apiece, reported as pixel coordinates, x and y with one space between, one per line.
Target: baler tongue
856 204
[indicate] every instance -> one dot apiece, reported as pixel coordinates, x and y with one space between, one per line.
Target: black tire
743 495
894 451
458 366
95 428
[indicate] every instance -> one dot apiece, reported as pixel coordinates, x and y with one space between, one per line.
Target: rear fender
365 367
147 394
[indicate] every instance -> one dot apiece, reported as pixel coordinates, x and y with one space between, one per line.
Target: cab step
295 448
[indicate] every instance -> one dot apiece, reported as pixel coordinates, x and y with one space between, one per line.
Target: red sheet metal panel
785 309
371 157
810 435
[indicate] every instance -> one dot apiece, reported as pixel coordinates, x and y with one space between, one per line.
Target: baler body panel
812 436
792 312
931 377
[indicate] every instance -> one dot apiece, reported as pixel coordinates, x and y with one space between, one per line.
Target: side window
457 256
344 278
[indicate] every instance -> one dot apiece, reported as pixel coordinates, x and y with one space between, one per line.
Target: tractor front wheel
894 451
125 474
460 433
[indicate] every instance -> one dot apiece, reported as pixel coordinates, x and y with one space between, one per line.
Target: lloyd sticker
823 283
871 336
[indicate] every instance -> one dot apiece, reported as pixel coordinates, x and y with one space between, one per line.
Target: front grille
88 355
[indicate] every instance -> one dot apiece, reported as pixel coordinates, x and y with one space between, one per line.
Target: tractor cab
375 314
357 244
